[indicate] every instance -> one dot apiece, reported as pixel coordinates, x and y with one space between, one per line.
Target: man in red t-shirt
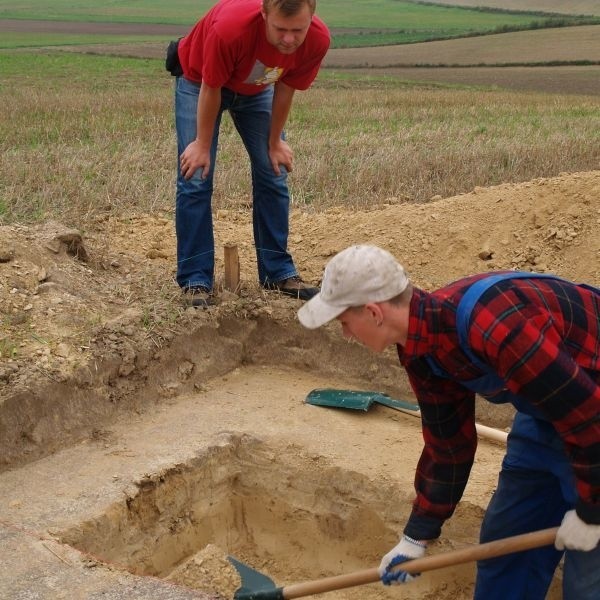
247 57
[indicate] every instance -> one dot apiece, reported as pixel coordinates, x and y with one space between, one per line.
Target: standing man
247 57
525 338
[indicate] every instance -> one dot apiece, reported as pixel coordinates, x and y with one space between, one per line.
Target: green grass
354 23
11 39
53 71
116 11
8 348
81 135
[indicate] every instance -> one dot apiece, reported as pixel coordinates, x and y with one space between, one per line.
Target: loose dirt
141 440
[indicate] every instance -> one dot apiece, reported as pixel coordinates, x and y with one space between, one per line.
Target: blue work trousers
270 208
536 486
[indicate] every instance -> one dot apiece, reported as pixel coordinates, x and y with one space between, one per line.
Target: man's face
287 33
360 324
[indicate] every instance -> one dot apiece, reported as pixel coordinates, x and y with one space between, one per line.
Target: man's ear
375 311
263 13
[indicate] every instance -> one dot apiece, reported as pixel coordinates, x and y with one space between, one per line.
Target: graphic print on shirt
261 75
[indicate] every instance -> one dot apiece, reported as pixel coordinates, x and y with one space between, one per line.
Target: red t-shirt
228 48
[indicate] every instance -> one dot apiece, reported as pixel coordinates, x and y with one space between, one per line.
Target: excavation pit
219 454
290 515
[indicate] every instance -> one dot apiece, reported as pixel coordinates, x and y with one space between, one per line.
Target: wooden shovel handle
482 430
517 543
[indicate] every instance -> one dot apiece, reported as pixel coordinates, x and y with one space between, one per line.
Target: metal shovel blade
355 399
255 585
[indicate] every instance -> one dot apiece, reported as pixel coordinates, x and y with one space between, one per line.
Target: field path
539 46
573 7
33 26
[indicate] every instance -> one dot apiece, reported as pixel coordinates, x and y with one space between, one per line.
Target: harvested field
572 7
565 44
567 79
570 44
552 80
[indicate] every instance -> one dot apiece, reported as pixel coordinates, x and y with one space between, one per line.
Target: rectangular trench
290 515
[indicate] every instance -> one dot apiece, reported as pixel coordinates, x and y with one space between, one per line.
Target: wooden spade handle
482 430
517 543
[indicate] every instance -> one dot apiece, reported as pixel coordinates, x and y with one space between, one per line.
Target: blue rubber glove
406 549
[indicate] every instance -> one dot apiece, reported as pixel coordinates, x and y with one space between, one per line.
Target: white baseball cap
354 277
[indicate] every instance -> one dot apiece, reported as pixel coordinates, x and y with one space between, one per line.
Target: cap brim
317 312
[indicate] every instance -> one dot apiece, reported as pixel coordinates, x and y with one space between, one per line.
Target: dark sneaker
294 287
198 296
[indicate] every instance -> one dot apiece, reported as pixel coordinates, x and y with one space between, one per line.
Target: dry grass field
579 80
528 61
567 7
81 134
543 46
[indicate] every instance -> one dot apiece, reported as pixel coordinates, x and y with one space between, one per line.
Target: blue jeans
536 487
270 209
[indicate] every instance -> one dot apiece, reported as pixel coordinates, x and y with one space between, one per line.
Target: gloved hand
406 549
576 534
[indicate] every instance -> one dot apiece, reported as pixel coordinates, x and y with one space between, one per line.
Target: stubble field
572 7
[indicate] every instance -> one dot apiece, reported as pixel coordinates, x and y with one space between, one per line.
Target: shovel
256 586
358 400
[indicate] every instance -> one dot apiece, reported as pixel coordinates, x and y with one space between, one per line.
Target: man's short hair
289 8
404 297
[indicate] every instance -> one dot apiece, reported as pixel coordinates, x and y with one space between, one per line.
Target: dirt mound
68 301
92 312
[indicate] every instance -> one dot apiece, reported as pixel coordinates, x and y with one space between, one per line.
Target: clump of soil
208 571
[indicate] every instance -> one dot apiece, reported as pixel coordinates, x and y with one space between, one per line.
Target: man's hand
575 534
194 157
406 549
281 154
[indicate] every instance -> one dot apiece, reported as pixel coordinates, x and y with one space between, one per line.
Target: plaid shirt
542 337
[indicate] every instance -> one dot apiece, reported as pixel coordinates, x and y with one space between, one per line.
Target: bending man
247 57
528 339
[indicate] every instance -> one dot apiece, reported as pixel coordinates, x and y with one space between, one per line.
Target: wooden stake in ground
232 267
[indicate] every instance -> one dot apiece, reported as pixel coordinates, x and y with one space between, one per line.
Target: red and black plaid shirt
542 337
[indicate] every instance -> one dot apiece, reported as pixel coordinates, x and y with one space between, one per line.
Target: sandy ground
321 491
136 433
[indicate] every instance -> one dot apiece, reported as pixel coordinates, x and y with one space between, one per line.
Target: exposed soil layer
303 493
